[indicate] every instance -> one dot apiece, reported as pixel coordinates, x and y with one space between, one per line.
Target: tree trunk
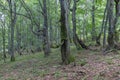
74 25
78 43
12 8
18 36
50 25
65 51
3 37
93 21
46 46
117 7
111 43
103 25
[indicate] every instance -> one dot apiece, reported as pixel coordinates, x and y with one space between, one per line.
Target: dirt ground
97 67
90 65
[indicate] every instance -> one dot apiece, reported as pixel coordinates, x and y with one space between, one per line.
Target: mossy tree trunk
65 48
117 7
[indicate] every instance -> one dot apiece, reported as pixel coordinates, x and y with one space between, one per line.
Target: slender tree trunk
3 37
12 8
74 25
50 24
12 43
103 25
46 46
93 21
56 28
104 31
78 43
18 36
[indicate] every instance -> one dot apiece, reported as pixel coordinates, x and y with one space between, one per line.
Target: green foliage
43 73
109 61
1 56
71 58
57 74
82 62
10 79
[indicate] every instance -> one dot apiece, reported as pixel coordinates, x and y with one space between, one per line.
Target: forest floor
90 65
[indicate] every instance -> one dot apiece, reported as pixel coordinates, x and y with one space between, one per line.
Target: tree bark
3 37
111 43
18 36
77 42
103 25
12 8
46 46
117 7
93 21
65 48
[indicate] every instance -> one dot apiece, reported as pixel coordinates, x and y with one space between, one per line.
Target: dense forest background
69 29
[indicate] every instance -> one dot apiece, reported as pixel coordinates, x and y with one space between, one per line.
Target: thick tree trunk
65 51
111 43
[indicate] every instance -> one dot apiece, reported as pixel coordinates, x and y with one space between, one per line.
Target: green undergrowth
32 65
29 65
